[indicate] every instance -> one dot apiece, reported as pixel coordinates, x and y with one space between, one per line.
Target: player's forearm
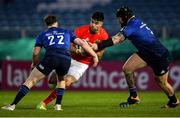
35 60
105 43
118 38
85 46
88 49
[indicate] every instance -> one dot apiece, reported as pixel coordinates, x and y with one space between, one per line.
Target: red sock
50 98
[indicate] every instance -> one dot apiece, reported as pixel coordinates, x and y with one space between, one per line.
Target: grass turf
90 104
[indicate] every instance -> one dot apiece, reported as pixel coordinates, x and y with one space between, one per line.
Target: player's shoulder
104 33
103 30
41 34
134 22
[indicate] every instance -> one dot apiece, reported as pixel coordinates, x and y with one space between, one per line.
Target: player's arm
88 49
100 53
105 36
36 51
118 38
35 56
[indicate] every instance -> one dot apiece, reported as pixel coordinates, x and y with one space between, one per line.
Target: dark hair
125 13
99 16
50 19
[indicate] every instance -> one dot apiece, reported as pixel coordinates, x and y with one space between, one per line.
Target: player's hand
80 51
94 46
95 60
118 38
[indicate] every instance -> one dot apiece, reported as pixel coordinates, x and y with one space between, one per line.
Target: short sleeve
77 32
105 35
72 36
38 40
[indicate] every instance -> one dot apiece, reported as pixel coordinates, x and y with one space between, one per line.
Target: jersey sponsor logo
106 76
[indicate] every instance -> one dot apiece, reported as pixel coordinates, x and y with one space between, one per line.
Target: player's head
51 20
124 14
96 22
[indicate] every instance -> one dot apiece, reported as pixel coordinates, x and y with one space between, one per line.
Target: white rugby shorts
77 69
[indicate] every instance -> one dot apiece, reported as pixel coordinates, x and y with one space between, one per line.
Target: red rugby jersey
83 32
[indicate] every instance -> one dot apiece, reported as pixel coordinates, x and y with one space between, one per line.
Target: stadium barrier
107 75
21 49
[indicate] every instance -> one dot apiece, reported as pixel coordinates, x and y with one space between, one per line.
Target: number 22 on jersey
52 38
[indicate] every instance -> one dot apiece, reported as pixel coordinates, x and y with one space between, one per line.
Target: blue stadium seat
157 13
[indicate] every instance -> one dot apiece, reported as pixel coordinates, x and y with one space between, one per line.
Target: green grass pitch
90 104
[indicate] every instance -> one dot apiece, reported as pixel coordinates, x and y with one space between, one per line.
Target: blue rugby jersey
56 38
143 38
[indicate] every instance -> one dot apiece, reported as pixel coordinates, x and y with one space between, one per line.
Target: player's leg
162 81
76 70
61 70
52 78
62 83
69 79
160 68
133 63
33 78
59 92
38 73
52 84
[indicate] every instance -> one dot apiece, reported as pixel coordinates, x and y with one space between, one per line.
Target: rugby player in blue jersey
56 41
150 53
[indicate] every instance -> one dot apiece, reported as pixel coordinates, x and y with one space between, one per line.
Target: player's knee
68 83
69 80
127 70
30 82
